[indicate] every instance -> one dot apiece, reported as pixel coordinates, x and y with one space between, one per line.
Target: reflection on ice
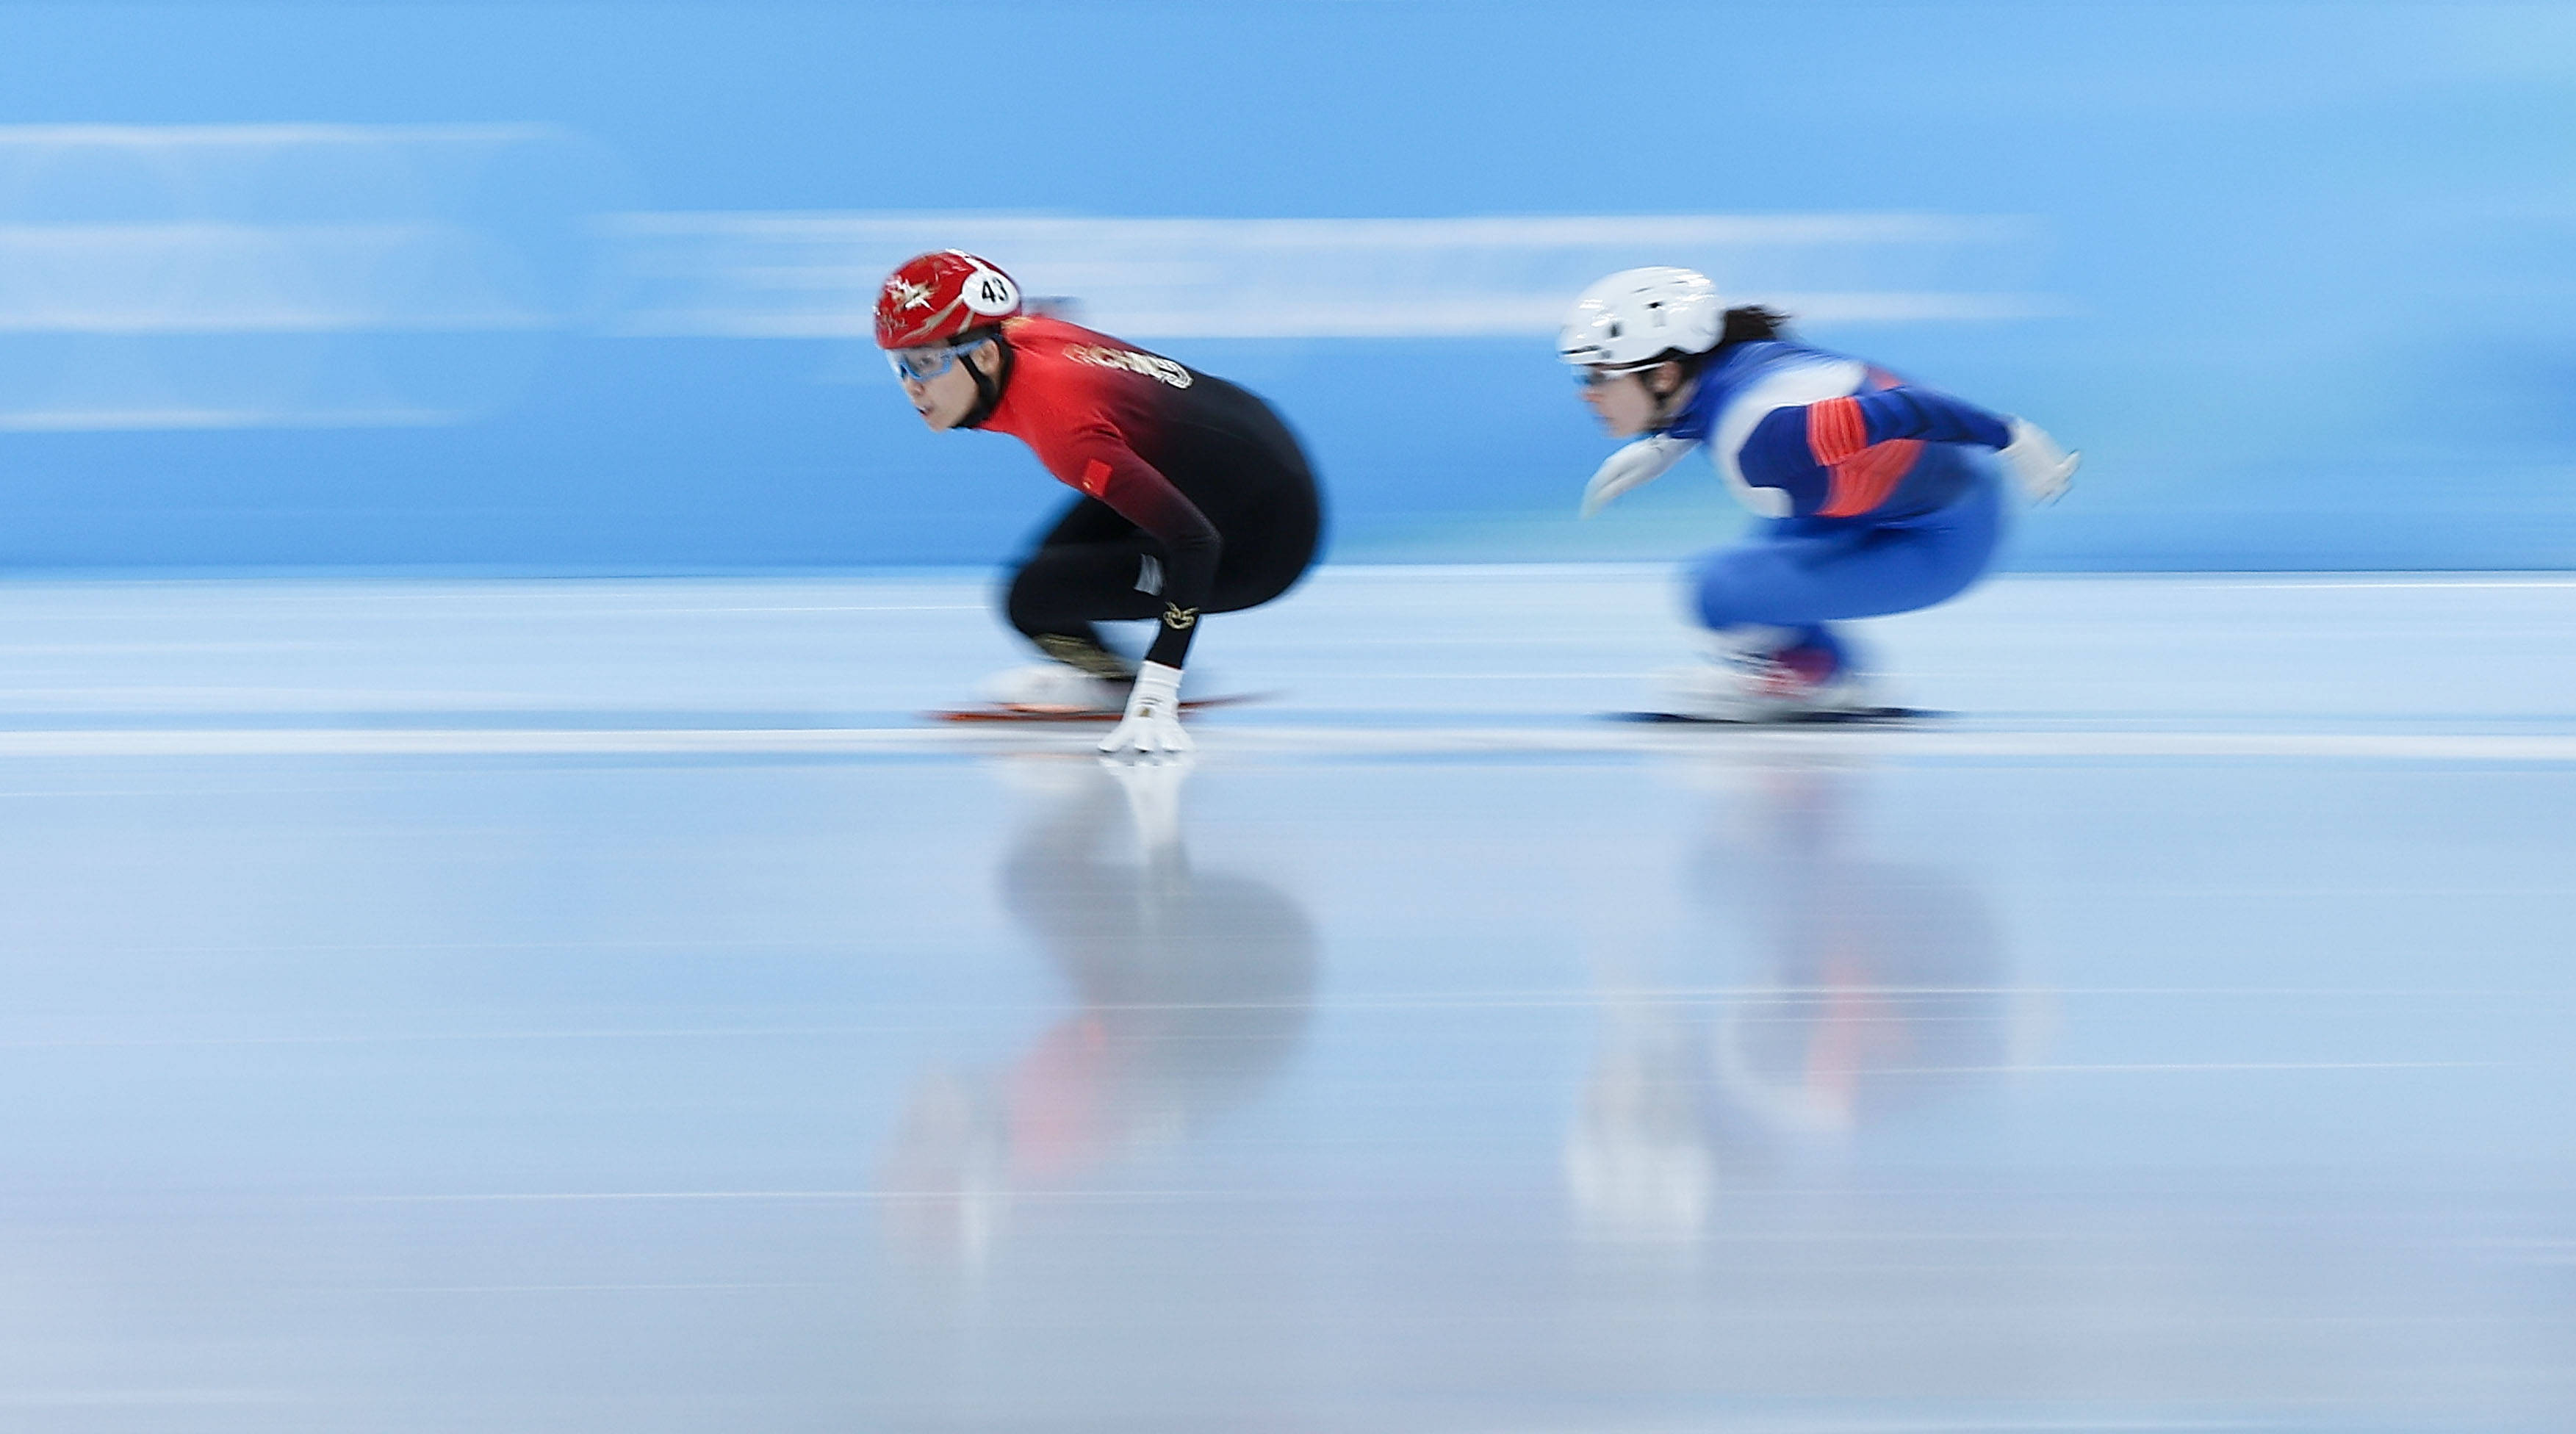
1876 985
1189 989
1885 981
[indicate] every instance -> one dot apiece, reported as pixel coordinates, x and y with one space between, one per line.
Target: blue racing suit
1881 496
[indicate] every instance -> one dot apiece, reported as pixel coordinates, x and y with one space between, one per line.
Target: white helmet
1638 315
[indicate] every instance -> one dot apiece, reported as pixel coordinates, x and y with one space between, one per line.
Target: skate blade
1005 712
1859 717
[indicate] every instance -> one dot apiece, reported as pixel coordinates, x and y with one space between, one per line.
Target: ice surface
606 1006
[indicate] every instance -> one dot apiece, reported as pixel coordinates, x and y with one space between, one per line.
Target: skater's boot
1746 678
1055 687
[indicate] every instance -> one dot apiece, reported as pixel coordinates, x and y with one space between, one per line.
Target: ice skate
1770 687
1054 689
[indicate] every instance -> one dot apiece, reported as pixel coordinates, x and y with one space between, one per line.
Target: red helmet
935 297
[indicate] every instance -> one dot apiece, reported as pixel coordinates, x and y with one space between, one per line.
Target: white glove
1153 721
1634 466
2036 462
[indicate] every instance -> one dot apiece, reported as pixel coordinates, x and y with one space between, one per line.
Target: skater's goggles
929 361
1590 376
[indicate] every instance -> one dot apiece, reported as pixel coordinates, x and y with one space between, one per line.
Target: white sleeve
1792 387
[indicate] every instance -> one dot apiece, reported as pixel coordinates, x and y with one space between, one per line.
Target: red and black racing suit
1196 496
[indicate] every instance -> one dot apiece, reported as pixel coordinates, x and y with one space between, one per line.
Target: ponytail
1749 324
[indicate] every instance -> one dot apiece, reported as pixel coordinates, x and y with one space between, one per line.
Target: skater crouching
1881 496
1196 497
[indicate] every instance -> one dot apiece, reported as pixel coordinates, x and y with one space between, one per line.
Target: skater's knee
1719 596
1025 605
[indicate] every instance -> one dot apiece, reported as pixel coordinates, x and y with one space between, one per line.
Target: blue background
2316 261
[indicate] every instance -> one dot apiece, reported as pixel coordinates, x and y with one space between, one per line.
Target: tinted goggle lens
1590 377
921 365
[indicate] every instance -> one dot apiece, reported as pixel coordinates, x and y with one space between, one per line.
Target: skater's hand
1634 466
2036 462
1152 726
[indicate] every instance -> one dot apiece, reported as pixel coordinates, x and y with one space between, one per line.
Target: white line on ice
1574 737
2159 1067
109 1398
1087 1197
2473 584
583 1289
1980 1422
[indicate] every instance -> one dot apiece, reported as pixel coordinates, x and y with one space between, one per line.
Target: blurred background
564 288
437 997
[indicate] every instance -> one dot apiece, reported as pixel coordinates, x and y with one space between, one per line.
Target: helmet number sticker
989 291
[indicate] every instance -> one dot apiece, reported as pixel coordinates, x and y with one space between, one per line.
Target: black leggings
1095 566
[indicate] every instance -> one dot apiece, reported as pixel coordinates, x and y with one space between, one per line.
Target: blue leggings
1801 573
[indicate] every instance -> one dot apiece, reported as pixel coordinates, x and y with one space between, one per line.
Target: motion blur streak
238 276
2293 276
815 275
